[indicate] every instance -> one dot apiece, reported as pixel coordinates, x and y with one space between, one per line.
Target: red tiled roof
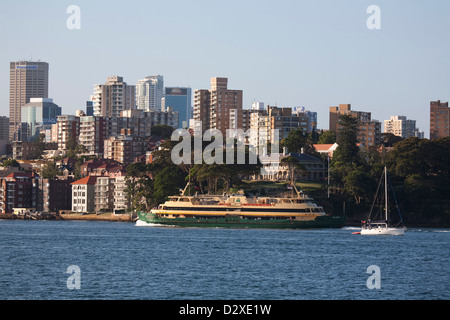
323 147
86 180
19 174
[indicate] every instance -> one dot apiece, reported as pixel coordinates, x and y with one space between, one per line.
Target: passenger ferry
240 211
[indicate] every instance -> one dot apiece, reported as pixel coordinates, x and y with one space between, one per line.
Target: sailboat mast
385 194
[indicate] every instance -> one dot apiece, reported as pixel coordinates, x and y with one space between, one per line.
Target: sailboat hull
373 228
383 231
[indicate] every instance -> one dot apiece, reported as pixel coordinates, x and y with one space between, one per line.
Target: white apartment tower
111 98
402 127
149 92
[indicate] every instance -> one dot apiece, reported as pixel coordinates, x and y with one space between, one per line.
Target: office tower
180 100
402 127
38 115
111 98
439 119
4 128
27 80
369 131
149 92
212 107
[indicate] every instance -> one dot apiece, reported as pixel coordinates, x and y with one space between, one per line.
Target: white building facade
149 93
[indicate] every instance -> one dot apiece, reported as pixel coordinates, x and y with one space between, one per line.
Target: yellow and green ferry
239 211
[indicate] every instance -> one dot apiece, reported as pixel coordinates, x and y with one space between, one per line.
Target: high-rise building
149 92
256 105
4 128
27 80
212 107
369 131
439 119
38 115
402 127
180 99
275 122
311 116
111 98
68 130
93 131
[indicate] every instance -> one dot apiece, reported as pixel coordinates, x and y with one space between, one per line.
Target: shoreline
111 217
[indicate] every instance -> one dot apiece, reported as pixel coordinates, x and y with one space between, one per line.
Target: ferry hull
238 222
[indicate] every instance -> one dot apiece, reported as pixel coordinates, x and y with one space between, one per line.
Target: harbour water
127 262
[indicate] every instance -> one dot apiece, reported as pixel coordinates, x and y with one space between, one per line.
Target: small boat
382 226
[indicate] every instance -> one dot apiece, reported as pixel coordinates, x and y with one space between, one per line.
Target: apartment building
124 148
240 119
439 119
83 192
149 93
67 128
93 131
104 194
100 193
402 127
284 120
112 97
18 190
212 107
53 195
369 131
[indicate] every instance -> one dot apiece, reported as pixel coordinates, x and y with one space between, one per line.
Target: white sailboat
382 227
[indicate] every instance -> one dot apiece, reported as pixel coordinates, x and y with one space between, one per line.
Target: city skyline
291 53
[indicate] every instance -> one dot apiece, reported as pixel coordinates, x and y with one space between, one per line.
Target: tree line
419 170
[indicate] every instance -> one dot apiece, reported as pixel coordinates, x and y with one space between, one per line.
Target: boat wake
351 228
140 223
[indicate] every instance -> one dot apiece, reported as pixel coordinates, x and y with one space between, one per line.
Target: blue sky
287 53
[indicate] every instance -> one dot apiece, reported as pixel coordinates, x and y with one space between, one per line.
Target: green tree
327 137
168 182
389 139
11 163
49 171
294 166
295 141
138 186
359 184
348 150
163 131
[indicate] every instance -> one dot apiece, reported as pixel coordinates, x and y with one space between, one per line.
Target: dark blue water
123 261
